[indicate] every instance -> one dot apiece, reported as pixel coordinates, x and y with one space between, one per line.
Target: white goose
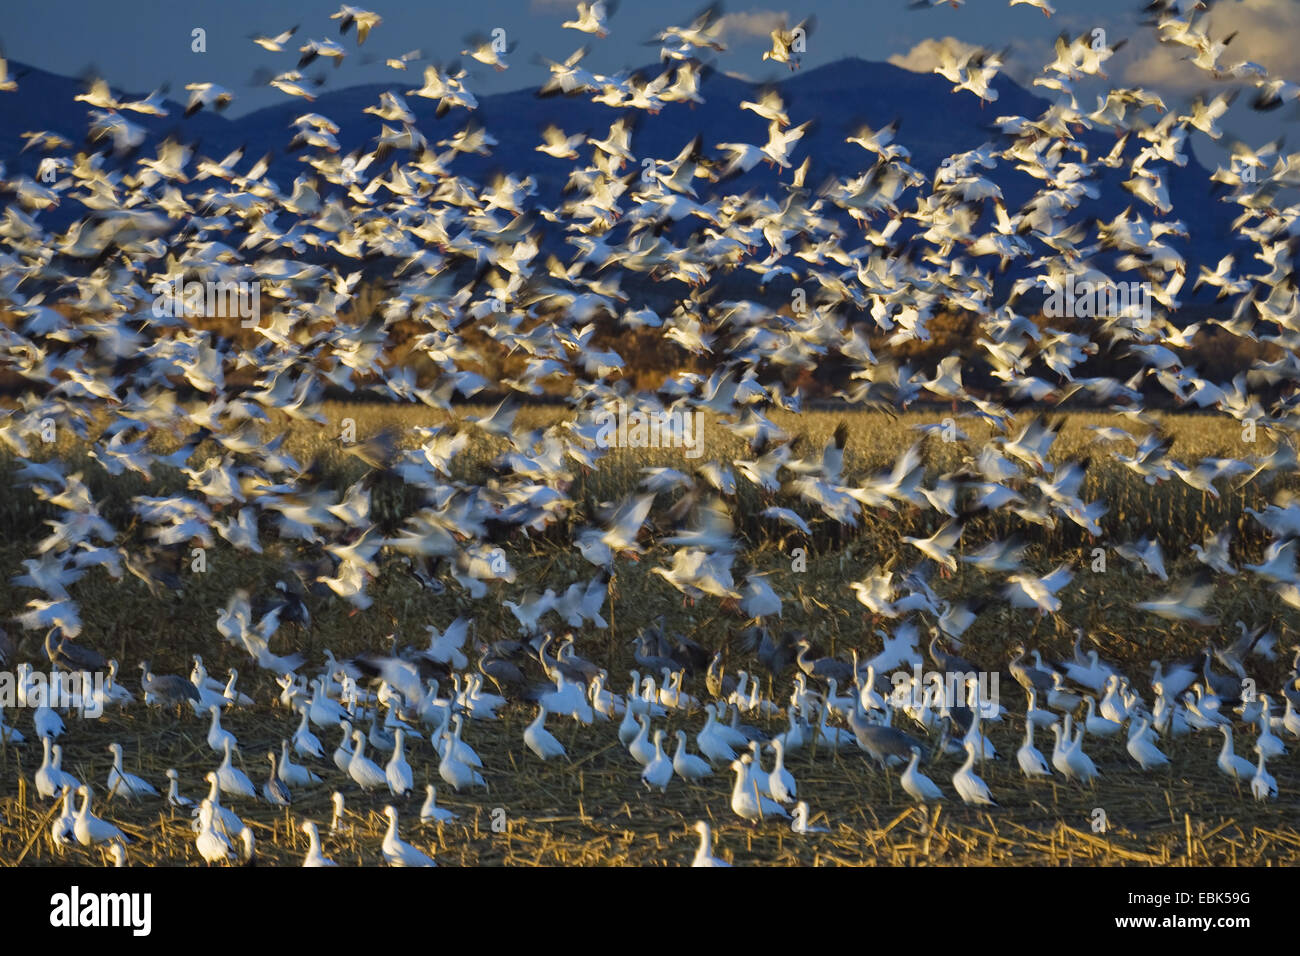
121 783
397 852
704 853
314 855
430 812
293 774
970 787
51 777
305 743
90 829
1030 758
658 773
1142 747
711 742
174 797
218 736
361 768
540 740
232 780
916 784
212 845
1262 784
455 772
686 765
1238 768
781 782
746 802
398 771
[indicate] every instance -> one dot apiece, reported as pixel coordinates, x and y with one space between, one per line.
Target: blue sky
139 45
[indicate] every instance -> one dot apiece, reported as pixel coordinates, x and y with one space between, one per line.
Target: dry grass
593 810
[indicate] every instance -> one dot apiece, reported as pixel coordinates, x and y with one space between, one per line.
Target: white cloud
925 56
754 24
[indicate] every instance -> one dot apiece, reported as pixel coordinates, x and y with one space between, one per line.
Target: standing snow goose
51 778
294 775
218 736
1142 746
174 797
90 829
1097 725
1238 768
121 783
658 773
398 771
781 783
1030 757
275 790
63 829
704 853
314 855
361 768
397 852
970 787
641 749
916 784
232 780
1268 742
343 752
1262 784
227 820
746 802
212 845
455 771
686 765
540 740
430 812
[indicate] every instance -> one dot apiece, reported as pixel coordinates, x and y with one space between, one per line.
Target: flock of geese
469 265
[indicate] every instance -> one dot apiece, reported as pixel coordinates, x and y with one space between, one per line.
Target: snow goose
212 845
63 829
704 853
337 824
641 749
232 780
746 802
275 791
781 783
540 740
51 777
90 829
1097 725
343 752
218 736
398 771
362 769
314 855
305 743
658 773
970 787
294 775
1142 747
397 852
628 727
1262 784
455 772
174 797
121 783
916 784
1268 742
227 820
47 722
430 812
1231 765
686 765
1029 757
